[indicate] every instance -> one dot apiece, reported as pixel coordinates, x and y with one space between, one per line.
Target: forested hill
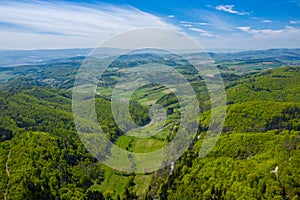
261 133
42 157
47 160
264 101
280 85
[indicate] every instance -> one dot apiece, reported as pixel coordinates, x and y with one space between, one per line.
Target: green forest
256 157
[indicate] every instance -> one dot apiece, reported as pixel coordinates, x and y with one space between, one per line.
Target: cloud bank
287 29
36 24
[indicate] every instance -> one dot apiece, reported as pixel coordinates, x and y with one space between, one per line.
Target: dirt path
7 172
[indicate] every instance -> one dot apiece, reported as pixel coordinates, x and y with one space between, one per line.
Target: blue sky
255 24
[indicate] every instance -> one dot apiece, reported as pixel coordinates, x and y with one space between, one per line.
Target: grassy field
139 145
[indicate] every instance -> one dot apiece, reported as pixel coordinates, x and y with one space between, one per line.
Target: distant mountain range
275 54
24 57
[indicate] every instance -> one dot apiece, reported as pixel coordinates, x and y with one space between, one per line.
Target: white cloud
202 32
292 29
198 30
266 21
294 22
229 9
248 29
203 24
195 23
244 28
228 36
41 24
269 31
285 39
207 34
